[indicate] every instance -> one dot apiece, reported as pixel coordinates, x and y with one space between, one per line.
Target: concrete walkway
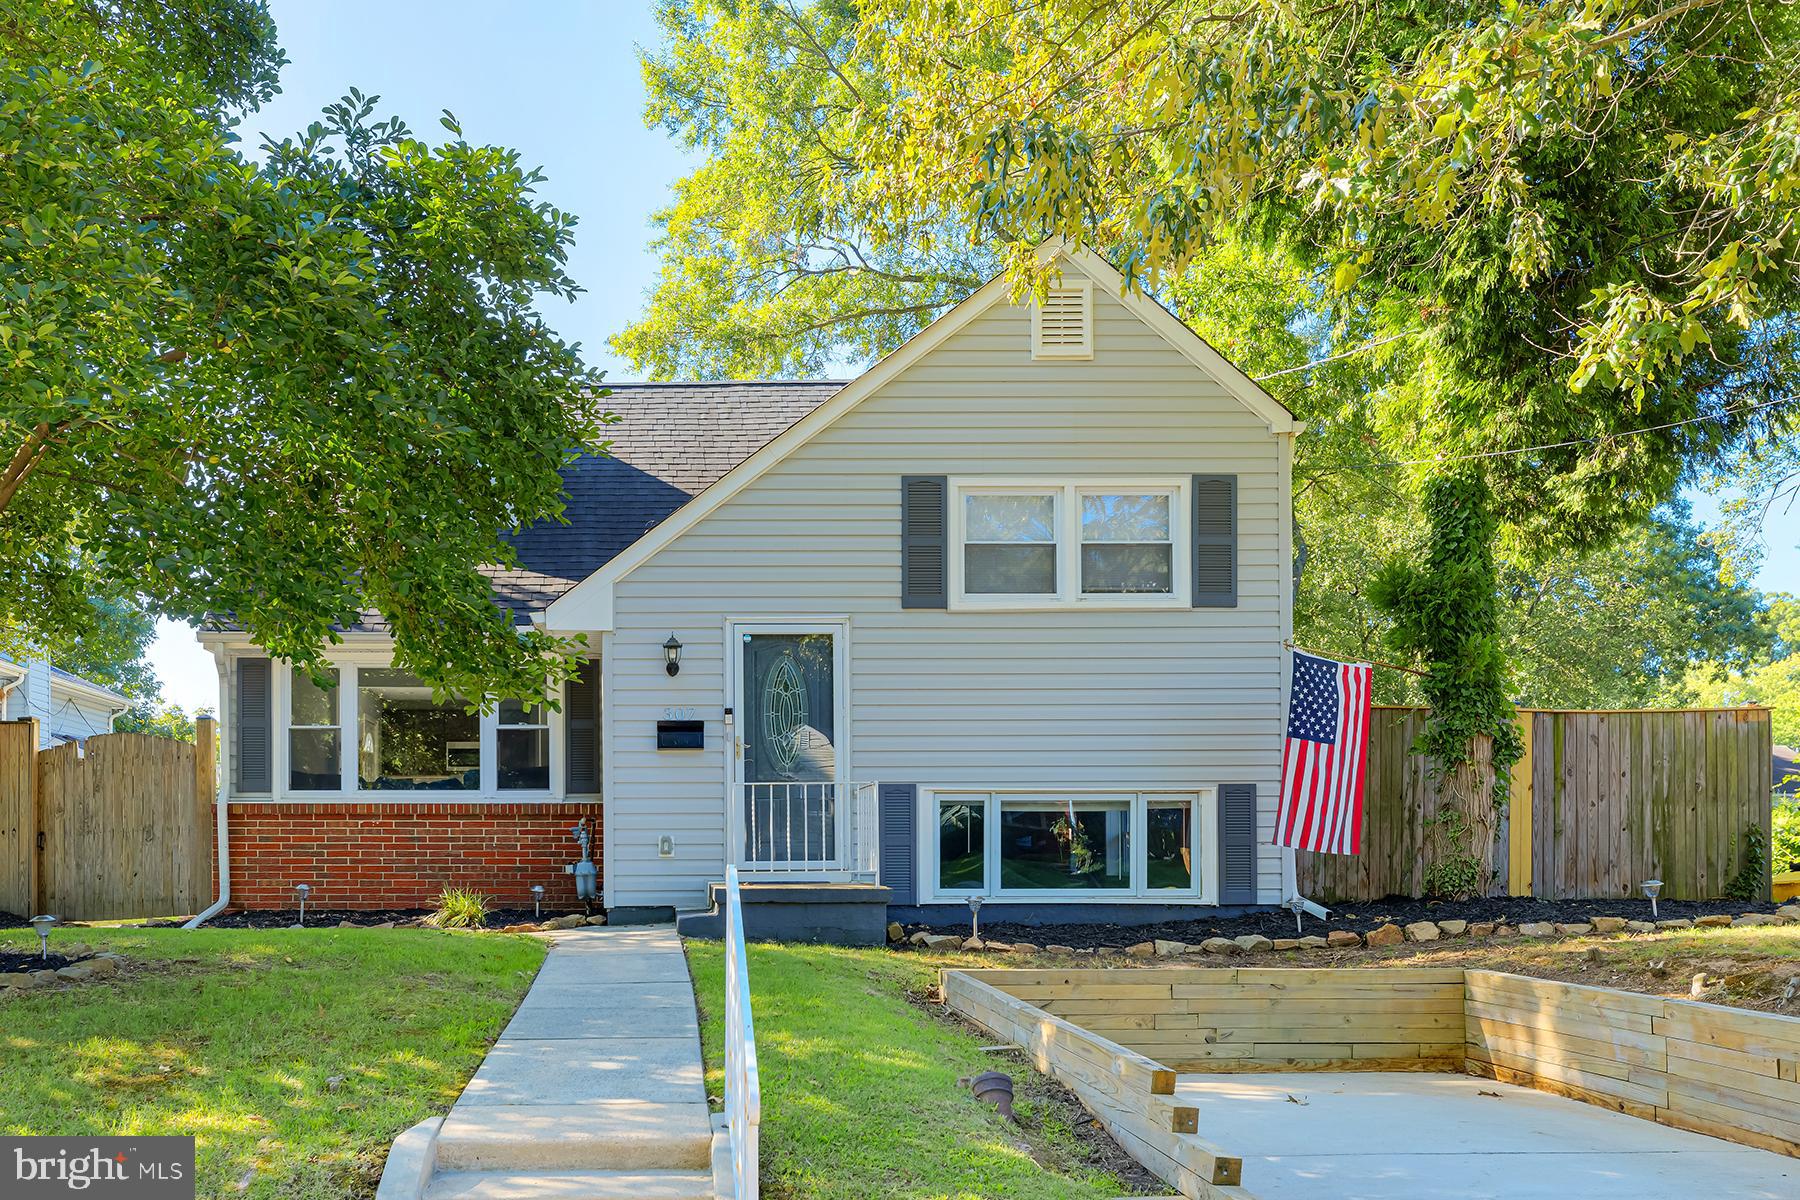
596 1087
1401 1136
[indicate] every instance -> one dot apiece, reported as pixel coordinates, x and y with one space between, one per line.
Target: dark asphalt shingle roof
672 441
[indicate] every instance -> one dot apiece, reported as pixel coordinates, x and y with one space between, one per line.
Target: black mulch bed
1357 916
24 964
320 918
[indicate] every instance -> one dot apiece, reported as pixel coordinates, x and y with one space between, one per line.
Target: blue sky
559 81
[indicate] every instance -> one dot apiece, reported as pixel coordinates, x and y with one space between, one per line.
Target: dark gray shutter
1215 541
899 867
253 709
924 536
1237 843
581 711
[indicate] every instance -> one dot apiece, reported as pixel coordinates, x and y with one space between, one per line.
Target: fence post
206 789
1520 803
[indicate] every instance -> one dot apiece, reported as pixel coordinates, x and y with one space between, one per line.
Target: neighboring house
68 708
1002 616
1787 771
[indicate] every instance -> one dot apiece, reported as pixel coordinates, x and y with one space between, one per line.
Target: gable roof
671 442
589 604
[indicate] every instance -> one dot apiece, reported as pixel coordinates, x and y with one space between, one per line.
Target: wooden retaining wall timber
1727 1072
1260 1018
1600 802
1131 1094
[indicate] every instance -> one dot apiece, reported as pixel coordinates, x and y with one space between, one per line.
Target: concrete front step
571 1185
845 914
611 1134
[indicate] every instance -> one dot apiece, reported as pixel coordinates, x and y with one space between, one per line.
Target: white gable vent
1063 325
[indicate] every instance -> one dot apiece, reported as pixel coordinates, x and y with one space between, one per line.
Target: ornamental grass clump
459 908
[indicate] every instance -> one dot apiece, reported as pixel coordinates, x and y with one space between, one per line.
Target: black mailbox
680 735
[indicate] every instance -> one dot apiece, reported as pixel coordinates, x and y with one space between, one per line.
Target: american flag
1323 757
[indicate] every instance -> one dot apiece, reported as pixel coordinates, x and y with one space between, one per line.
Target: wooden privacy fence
1600 802
118 827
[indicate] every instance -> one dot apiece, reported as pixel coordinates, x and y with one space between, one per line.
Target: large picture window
409 741
1046 845
1082 542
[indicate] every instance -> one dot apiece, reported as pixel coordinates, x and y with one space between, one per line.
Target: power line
1587 441
1319 362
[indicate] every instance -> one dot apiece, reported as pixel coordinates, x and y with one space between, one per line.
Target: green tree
1578 218
1771 678
774 260
285 391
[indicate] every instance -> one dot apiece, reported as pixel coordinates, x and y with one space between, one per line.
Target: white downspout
222 821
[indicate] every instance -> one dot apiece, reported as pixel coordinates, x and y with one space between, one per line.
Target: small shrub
459 908
1784 848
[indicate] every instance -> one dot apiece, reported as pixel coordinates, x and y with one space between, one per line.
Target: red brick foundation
401 855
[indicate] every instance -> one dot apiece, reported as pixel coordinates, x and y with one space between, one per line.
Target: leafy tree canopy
284 391
1771 678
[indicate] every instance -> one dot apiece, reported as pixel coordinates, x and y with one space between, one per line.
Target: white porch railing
743 1085
808 830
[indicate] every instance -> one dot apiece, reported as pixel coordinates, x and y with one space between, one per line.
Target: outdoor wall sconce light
672 655
1651 888
42 925
537 900
303 891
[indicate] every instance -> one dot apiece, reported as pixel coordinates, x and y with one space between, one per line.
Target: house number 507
678 714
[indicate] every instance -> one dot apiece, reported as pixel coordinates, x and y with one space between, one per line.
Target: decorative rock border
1344 939
88 966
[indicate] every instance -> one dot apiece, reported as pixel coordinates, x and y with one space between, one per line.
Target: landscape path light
303 891
1651 888
537 900
42 924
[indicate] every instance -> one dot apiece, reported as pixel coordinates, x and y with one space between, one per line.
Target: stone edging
1344 939
99 966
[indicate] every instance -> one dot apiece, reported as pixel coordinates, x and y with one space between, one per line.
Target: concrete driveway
1397 1136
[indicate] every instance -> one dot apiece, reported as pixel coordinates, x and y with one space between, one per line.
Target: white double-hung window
1043 544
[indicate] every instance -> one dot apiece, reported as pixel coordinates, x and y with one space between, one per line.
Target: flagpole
1291 644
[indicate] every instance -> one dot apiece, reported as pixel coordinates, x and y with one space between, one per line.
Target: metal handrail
743 1084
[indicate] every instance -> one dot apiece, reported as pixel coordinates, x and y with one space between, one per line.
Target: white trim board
588 606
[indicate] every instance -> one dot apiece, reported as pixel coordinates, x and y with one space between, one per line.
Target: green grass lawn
860 1097
235 1036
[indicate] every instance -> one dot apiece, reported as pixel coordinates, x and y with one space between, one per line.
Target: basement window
1068 845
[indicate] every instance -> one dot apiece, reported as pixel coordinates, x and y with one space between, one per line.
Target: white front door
786 804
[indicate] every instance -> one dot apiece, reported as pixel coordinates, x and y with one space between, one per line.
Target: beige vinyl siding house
1003 616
